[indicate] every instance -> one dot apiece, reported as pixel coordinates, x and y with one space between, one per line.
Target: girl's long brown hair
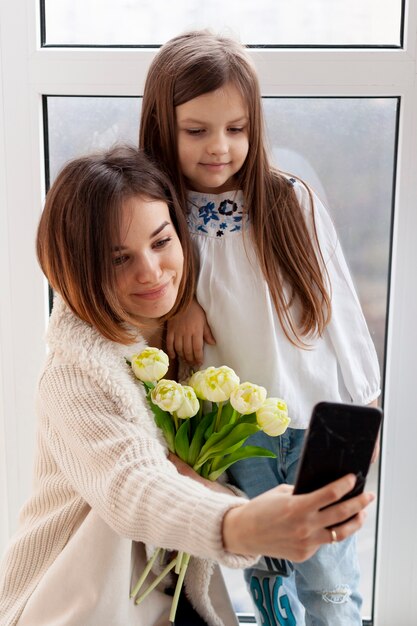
199 62
82 220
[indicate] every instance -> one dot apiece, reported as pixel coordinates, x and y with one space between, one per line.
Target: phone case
340 440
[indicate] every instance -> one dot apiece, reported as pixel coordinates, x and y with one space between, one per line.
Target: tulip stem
219 414
145 573
157 581
178 564
184 564
234 417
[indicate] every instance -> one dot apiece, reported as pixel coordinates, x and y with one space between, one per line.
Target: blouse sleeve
347 329
121 470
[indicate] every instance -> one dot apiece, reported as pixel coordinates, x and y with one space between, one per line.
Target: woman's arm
286 526
283 525
120 468
118 465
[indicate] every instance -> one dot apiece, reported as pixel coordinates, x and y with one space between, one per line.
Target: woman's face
148 259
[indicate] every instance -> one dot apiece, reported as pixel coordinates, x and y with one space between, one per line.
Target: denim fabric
326 584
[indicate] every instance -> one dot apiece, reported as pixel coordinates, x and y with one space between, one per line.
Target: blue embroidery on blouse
227 207
215 216
208 212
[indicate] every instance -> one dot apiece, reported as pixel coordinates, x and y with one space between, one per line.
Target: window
266 22
349 164
371 75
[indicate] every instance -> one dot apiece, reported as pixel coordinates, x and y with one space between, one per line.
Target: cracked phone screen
340 440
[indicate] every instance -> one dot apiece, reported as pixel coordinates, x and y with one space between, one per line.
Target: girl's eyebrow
190 120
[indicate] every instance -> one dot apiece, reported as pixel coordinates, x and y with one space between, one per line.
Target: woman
113 244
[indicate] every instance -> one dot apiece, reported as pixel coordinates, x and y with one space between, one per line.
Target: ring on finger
333 534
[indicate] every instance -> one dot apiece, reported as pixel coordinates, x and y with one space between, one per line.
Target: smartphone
339 441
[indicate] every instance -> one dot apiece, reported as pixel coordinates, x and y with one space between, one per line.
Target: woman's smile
153 293
148 259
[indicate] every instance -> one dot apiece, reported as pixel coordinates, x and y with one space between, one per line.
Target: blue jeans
326 584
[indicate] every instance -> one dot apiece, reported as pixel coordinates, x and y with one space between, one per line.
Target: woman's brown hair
78 227
199 62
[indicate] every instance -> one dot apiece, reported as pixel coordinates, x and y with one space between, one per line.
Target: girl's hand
186 470
282 525
186 334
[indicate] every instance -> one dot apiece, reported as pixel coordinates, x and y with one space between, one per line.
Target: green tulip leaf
248 419
209 431
205 470
246 452
231 437
182 445
227 412
198 438
163 420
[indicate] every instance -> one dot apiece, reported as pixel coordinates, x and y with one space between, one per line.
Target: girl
113 244
273 284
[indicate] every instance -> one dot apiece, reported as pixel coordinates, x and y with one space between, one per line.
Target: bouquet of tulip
205 423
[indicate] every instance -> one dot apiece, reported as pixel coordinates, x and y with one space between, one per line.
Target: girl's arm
375 453
186 334
348 330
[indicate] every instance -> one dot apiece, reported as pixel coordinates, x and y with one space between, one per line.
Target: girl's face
212 135
148 259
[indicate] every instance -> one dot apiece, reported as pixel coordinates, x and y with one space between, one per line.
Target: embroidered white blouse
341 365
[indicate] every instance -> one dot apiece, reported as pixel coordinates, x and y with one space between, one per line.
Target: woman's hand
186 470
283 525
186 334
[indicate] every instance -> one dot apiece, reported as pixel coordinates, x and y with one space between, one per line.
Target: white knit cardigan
103 488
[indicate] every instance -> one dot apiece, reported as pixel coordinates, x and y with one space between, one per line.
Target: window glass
265 22
78 125
343 147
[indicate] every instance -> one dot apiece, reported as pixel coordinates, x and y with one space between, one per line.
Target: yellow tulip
190 403
150 365
218 383
272 417
247 398
168 395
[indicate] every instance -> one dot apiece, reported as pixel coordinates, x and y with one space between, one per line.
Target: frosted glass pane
265 22
344 148
78 125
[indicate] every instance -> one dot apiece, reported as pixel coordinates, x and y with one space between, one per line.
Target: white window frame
27 72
